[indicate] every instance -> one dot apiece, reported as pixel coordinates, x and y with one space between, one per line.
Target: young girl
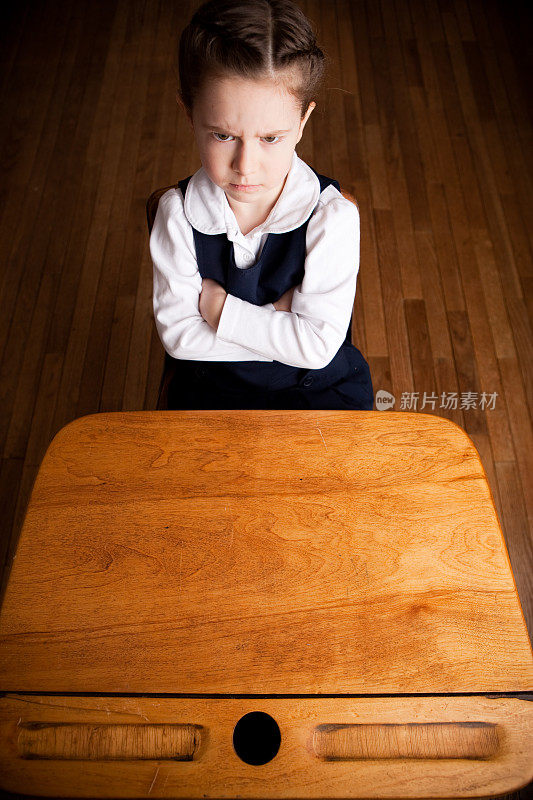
256 255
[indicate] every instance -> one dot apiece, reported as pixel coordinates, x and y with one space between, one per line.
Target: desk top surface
262 552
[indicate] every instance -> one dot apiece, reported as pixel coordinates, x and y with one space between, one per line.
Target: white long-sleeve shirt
311 333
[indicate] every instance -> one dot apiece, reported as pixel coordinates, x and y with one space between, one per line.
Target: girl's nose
244 160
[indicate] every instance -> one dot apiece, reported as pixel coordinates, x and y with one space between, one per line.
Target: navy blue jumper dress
344 383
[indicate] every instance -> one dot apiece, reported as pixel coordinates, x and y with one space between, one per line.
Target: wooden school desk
263 604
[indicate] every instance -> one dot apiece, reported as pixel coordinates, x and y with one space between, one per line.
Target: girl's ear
312 105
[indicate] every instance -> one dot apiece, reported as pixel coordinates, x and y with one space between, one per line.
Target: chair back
152 203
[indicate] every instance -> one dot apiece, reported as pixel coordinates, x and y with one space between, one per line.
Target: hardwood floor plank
484 347
510 36
480 85
369 274
397 162
464 21
520 423
377 168
21 78
480 150
421 356
29 375
381 377
104 147
399 356
12 44
126 125
10 477
349 80
63 170
134 171
404 126
174 154
449 405
25 161
40 434
467 373
493 295
428 151
21 498
356 151
361 35
519 160
447 256
472 198
166 124
517 533
522 329
335 121
516 222
31 311
433 296
404 21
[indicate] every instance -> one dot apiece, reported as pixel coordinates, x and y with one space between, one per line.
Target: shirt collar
207 209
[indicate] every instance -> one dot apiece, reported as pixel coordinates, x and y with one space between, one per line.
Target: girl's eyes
225 137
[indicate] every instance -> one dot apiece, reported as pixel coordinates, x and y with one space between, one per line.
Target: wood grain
435 740
79 741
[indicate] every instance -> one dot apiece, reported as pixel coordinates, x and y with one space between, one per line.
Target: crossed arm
213 297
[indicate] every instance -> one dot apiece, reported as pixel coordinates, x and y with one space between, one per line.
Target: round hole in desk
256 738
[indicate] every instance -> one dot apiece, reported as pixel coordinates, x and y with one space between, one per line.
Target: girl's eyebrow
222 128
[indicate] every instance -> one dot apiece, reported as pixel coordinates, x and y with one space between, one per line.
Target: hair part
253 39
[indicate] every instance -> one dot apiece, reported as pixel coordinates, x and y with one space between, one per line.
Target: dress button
201 372
307 382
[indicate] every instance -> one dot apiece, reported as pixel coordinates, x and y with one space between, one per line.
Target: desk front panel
329 747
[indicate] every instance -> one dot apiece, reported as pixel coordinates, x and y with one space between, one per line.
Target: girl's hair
250 39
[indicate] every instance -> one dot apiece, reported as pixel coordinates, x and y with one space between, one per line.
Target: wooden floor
425 118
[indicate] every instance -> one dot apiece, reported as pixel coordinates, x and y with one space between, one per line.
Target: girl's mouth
240 187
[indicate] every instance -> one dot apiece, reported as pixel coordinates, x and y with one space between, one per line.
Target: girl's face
246 131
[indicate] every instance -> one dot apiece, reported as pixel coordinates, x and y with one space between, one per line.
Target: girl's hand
211 302
285 301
